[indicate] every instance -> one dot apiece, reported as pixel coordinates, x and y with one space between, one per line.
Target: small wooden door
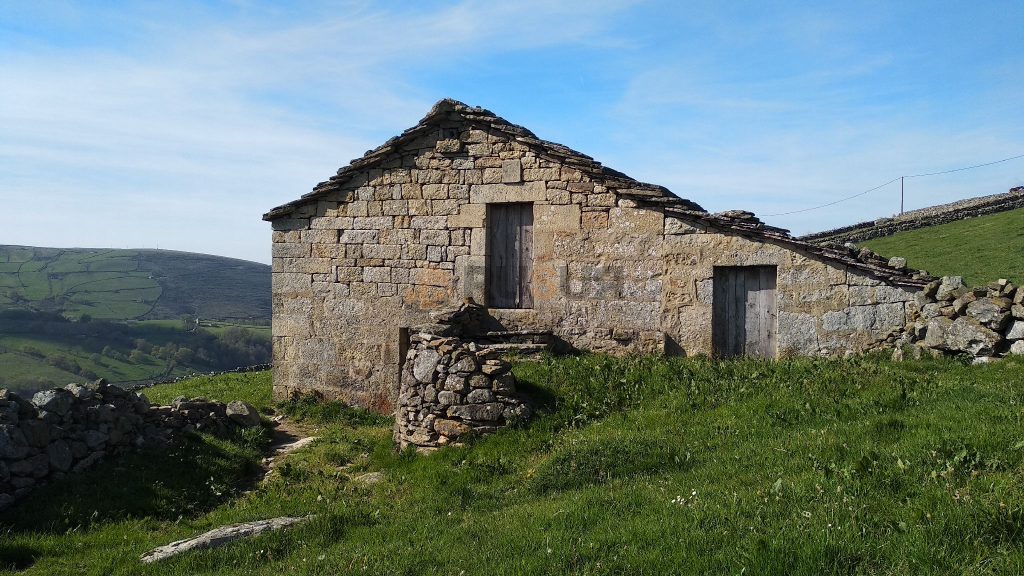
743 315
509 255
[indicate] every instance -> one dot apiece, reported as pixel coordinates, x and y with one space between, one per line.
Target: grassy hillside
635 466
133 284
979 249
40 350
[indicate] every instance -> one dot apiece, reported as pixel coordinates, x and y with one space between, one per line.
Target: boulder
897 262
464 366
479 412
94 438
1017 348
480 396
961 303
935 333
447 398
424 365
968 335
450 428
242 414
12 442
57 401
950 288
1016 331
455 383
993 313
60 456
505 384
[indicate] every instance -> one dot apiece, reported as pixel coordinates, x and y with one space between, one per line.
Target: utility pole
901 195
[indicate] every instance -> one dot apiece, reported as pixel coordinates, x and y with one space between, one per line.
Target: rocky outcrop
454 388
220 536
69 429
984 322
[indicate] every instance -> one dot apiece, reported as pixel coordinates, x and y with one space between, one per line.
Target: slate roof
736 221
447 111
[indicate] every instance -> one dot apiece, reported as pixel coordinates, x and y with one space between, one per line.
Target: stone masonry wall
68 429
823 308
351 270
354 268
450 390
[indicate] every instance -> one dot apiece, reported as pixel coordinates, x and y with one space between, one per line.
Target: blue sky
177 124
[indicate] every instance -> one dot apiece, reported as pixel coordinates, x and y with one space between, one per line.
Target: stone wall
824 308
984 322
452 389
379 249
68 429
922 218
353 269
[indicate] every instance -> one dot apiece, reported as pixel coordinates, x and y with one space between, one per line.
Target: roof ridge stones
453 110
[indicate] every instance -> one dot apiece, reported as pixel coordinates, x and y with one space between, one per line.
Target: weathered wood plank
509 255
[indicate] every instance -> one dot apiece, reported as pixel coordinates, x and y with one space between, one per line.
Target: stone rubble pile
66 430
452 388
984 322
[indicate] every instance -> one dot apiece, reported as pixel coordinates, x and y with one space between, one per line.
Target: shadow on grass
16 556
183 480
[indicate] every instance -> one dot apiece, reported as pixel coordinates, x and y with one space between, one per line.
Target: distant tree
137 357
143 345
183 356
189 322
85 318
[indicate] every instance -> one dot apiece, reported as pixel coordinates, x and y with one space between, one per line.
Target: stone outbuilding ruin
467 205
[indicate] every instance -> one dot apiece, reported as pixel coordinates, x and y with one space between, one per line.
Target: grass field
980 249
634 466
133 284
41 351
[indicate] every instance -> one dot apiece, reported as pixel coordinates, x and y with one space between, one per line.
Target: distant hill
133 284
980 249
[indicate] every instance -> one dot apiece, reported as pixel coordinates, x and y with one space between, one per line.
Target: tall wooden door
743 315
509 255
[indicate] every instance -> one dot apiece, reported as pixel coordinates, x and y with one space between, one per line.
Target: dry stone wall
922 218
452 389
984 322
66 430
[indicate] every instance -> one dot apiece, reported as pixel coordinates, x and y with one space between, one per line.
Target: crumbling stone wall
985 322
452 389
69 429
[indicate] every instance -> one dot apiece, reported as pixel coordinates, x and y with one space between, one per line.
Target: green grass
251 387
635 466
133 284
980 249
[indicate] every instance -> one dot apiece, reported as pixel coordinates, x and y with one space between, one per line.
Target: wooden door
509 255
743 315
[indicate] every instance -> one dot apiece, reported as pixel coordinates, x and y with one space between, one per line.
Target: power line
841 200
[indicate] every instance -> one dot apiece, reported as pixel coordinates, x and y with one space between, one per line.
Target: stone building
468 205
